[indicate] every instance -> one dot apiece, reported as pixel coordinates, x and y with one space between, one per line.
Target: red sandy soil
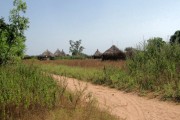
128 106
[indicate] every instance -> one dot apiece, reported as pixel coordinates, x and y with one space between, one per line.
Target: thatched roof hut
63 53
46 55
59 53
113 53
97 54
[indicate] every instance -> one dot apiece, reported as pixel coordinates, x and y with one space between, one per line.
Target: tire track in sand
126 105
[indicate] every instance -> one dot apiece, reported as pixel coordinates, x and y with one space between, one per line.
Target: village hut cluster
47 55
113 53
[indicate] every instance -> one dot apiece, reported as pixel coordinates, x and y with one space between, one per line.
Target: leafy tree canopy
12 39
154 47
175 38
156 42
75 47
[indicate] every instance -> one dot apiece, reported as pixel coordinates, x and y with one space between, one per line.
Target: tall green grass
27 92
157 68
111 76
24 88
154 67
87 74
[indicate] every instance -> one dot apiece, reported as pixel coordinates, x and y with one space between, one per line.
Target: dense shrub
155 67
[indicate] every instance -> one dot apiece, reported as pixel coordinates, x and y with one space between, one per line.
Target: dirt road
127 105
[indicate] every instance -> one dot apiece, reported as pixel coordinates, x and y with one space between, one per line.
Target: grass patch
154 67
151 69
28 93
84 63
112 76
25 88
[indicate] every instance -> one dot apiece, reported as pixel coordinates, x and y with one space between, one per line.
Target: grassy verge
155 67
111 76
28 93
152 69
25 88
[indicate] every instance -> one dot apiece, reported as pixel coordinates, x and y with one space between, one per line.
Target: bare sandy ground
127 105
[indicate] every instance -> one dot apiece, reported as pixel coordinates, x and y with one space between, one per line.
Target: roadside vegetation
154 67
25 88
28 93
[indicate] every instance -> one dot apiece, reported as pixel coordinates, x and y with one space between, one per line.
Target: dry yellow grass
86 63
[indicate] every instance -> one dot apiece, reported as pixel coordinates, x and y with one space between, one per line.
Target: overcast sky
98 23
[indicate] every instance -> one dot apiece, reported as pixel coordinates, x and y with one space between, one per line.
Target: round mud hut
113 53
46 55
97 55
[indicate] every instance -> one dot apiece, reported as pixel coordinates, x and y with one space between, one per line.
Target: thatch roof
47 53
113 53
113 50
97 53
63 53
59 53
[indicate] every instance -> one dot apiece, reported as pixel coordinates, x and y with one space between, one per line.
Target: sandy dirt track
127 105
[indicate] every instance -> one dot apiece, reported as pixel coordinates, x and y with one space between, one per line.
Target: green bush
155 67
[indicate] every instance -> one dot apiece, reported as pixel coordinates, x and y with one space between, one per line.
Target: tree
129 52
154 50
156 42
12 39
75 47
175 38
